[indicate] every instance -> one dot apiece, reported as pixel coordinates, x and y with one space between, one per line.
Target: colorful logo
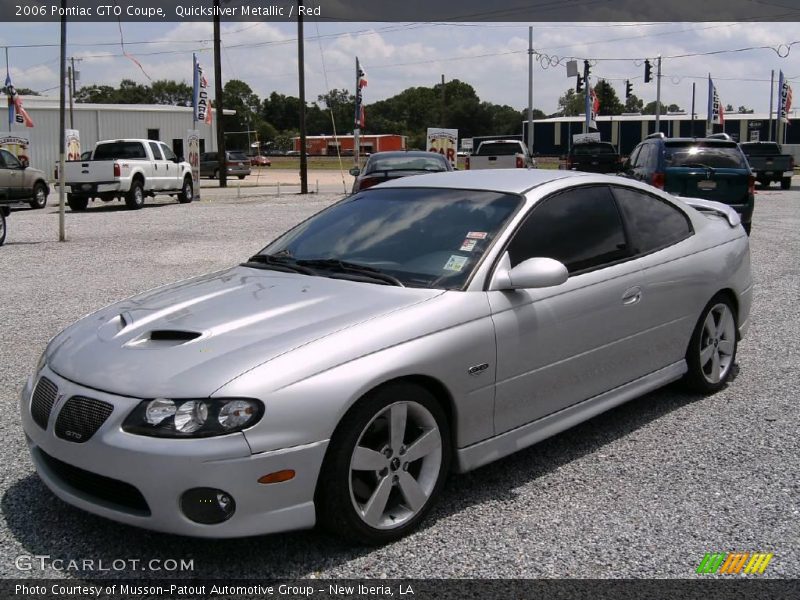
733 563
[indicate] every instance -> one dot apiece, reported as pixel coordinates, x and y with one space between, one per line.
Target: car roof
402 153
513 181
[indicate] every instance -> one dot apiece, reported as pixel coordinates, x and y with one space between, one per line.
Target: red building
325 145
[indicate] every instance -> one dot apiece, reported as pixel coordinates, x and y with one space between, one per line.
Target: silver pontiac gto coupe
430 324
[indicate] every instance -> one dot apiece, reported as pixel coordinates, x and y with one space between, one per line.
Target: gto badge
478 369
74 435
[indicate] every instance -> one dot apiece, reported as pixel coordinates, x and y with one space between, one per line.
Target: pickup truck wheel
2 227
39 199
786 183
77 203
135 196
215 174
187 191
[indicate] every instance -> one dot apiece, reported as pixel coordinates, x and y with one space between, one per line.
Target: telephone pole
302 73
222 156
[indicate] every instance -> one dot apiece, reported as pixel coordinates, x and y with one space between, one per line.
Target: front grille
111 491
81 417
42 403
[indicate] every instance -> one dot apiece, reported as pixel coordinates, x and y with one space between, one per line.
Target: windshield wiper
277 263
342 266
696 165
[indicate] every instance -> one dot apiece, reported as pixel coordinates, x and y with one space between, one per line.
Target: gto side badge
478 369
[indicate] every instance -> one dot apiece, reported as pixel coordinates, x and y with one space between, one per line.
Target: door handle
632 296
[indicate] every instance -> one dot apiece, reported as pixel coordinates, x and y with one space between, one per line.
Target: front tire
712 350
187 191
134 199
2 227
39 199
386 465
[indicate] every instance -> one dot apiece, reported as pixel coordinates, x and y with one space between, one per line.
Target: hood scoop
164 338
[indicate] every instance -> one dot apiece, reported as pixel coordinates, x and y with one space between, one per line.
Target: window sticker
468 245
456 263
476 235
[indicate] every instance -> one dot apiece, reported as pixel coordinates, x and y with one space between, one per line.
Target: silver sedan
427 325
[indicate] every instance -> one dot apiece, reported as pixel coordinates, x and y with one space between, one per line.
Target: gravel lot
642 491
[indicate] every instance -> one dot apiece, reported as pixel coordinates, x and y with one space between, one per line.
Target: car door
561 345
13 176
172 180
159 178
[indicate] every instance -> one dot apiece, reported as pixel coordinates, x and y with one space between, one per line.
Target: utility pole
530 90
692 130
658 94
62 234
222 157
771 98
73 75
302 73
443 102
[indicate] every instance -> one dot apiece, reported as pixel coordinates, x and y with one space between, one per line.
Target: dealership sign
18 145
443 141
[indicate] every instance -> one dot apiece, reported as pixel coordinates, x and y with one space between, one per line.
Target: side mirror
355 171
537 272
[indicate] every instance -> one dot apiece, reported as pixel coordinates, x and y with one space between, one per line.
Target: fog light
207 505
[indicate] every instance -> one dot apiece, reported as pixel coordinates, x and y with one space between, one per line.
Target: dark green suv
709 168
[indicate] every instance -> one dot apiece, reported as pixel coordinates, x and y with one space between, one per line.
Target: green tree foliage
650 108
743 110
571 104
609 102
163 91
633 104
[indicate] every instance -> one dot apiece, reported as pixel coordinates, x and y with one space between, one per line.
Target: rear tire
786 183
39 199
186 194
386 464
77 203
2 227
241 176
135 196
711 354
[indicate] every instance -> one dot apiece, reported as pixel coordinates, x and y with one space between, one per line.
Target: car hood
190 338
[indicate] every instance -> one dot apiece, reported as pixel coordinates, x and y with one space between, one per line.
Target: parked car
769 163
5 211
384 166
593 157
500 154
433 323
129 170
21 183
711 168
237 163
257 160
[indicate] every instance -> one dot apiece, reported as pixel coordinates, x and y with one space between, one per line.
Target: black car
709 168
593 157
383 166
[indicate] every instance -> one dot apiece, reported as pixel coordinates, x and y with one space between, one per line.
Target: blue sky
492 57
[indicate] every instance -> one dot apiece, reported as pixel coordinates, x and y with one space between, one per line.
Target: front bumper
163 469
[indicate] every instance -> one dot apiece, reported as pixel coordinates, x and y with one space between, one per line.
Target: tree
572 104
607 96
743 110
650 108
343 106
166 91
634 104
729 108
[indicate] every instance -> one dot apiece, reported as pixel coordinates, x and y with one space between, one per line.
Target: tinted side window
9 160
652 222
634 157
156 151
581 228
168 153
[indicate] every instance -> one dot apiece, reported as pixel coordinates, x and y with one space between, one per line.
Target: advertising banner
72 144
18 145
193 156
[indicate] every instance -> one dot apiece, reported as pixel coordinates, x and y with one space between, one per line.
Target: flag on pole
200 100
595 105
716 114
16 113
361 83
784 99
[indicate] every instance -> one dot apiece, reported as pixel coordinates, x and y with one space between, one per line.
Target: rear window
760 149
699 154
236 156
115 150
587 149
498 149
434 162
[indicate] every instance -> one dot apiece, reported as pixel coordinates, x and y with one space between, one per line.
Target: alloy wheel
717 343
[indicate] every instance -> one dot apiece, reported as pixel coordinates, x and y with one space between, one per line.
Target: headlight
164 417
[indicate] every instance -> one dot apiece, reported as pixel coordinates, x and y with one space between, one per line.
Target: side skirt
487 451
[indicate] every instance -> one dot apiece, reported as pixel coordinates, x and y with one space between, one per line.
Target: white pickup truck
128 170
501 154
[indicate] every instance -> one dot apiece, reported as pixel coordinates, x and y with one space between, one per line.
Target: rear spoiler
718 208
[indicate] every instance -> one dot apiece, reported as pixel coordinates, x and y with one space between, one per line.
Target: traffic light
586 69
628 88
648 71
579 85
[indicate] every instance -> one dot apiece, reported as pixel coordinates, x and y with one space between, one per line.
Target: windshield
116 150
693 154
423 237
762 149
585 149
406 163
499 149
236 156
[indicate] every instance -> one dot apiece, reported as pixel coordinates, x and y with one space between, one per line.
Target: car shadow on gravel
44 525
